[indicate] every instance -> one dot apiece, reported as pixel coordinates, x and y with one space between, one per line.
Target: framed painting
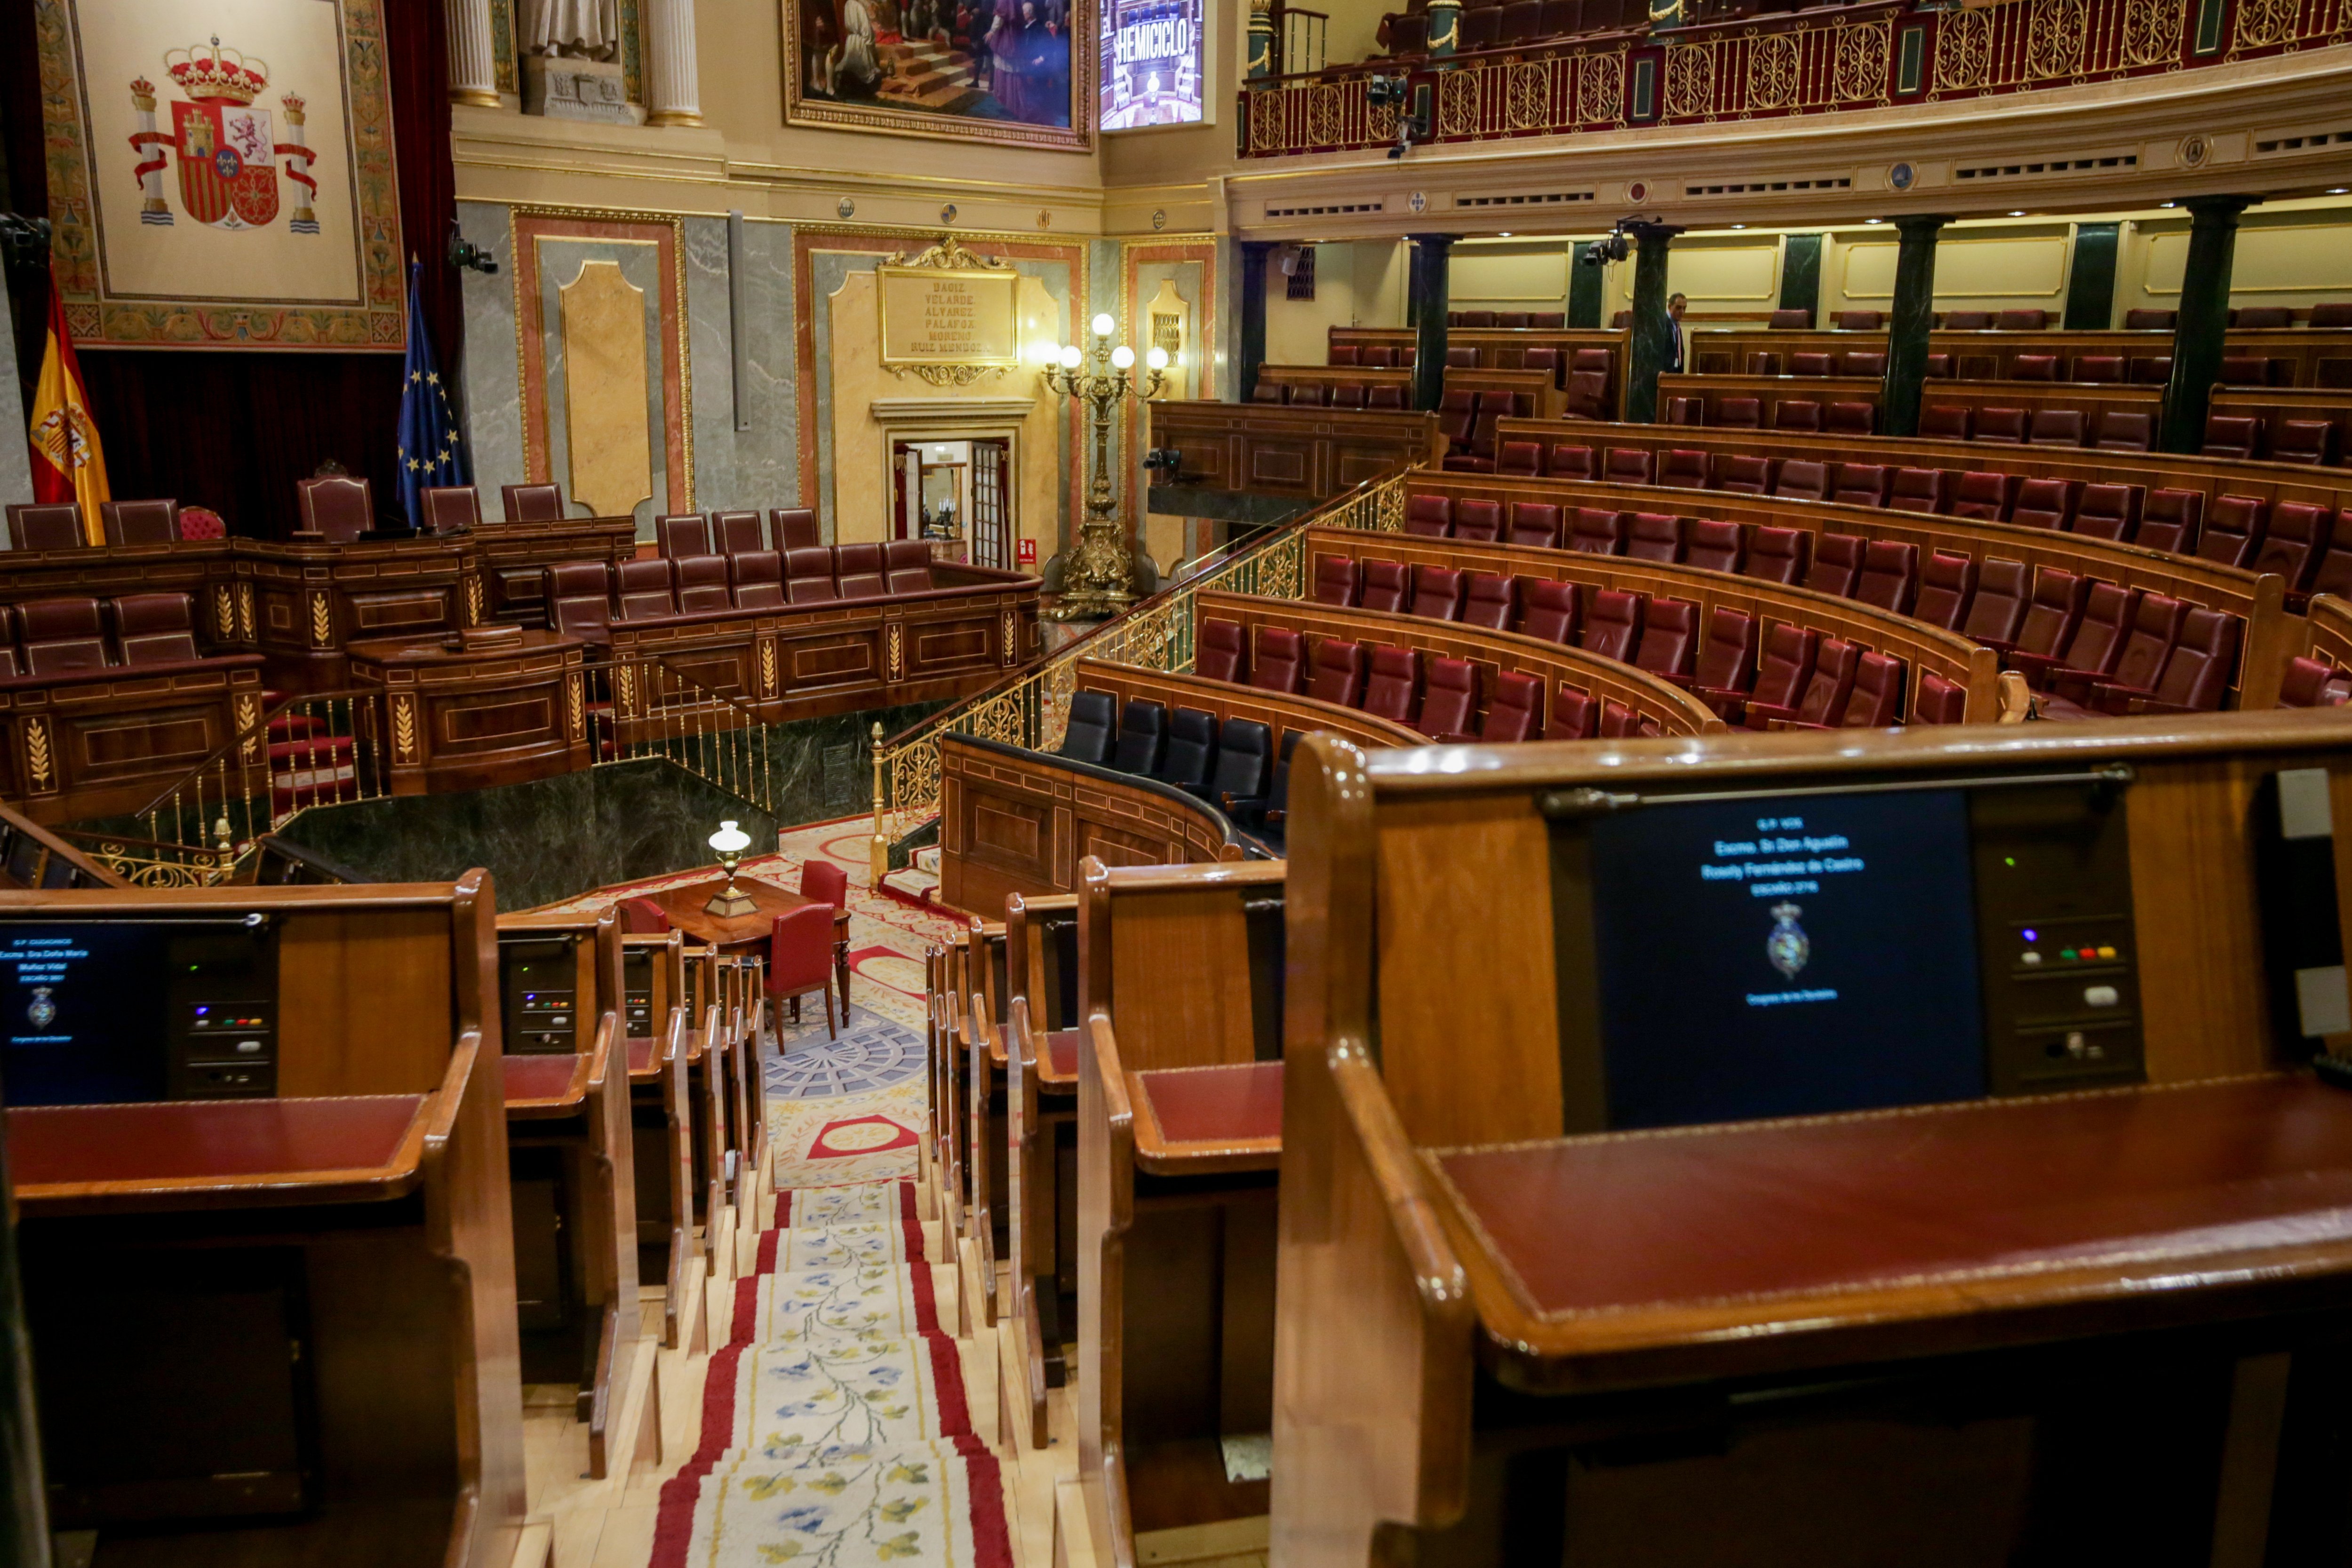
220 173
1018 73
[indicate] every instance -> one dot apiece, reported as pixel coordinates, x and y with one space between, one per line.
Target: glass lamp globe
1071 357
730 841
1122 357
1157 358
1105 326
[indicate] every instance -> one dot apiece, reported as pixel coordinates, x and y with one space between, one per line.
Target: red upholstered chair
1567 461
62 636
1683 468
1376 357
2108 511
1391 685
1588 395
337 506
532 503
2150 320
1796 413
2298 531
800 960
2231 436
825 882
1520 459
1684 411
1851 418
155 629
2334 572
1449 703
1725 670
2333 313
1429 516
202 523
2056 428
1798 320
1514 712
1984 497
2093 646
2022 320
1861 484
1802 479
1335 581
1347 395
1861 320
1619 721
1783 670
808 576
2305 684
1713 545
579 598
1942 422
1612 623
1218 649
1437 592
2171 520
1739 474
2118 430
1809 365
1778 555
2034 368
1477 519
2045 503
1535 523
1945 584
2003 426
1863 362
2233 530
678 535
1739 413
1545 360
702 583
1281 662
1547 610
451 509
2249 371
1822 703
1940 701
145 522
1837 564
757 577
644 917
1338 671
1876 699
1553 321
1997 607
1626 465
1492 601
646 590
858 568
905 566
1574 714
2150 628
2196 674
1917 490
2306 441
1340 354
1669 641
795 528
1968 320
1596 530
1461 359
1386 584
1594 361
1763 364
1313 395
2098 368
1889 578
1656 536
2051 617
2153 370
736 532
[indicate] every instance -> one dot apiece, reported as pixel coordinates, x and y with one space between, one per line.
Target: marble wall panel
491 365
757 466
16 461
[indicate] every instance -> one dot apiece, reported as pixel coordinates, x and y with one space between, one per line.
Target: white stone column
673 93
473 74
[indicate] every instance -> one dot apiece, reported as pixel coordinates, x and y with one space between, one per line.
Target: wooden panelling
364 1002
2091 399
107 742
1310 453
2314 358
1181 956
2275 406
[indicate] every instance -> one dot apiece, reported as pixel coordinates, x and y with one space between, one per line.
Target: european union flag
430 454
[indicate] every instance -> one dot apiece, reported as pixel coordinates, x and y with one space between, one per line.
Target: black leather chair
1091 731
1245 751
1262 817
1192 753
1142 731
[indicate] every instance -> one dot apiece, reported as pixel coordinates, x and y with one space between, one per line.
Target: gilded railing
1858 56
1033 708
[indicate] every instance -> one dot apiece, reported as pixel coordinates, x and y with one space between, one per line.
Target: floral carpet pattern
836 1428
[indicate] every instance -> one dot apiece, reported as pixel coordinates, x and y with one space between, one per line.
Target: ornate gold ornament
1457 102
2152 31
1099 577
1323 106
1772 72
1266 123
1861 63
1690 80
1964 51
948 255
1601 88
767 666
404 728
1010 625
249 726
37 763
575 703
894 652
322 621
2054 40
225 609
473 602
1529 95
245 611
625 686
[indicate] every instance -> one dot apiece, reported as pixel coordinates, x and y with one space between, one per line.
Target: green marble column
2197 334
1261 38
1800 275
1444 27
1253 349
1909 324
1654 330
1584 287
2091 278
1429 293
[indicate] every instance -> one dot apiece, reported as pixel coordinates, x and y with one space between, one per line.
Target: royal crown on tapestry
228 156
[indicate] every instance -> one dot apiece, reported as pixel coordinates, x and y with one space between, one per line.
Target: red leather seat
1588 395
1861 484
1655 536
644 917
1520 459
1851 418
2155 369
1598 362
2044 503
678 535
2333 313
1822 703
2052 616
1281 662
2249 371
1997 606
1783 320
1386 584
337 506
1783 670
1809 365
1861 320
1491 602
1218 649
62 636
1535 523
145 522
202 523
1349 394
1984 497
1431 517
1568 461
2233 530
2119 430
532 503
2004 426
858 570
1514 710
2196 674
1796 413
702 583
2097 368
1946 583
1876 699
1340 354
1739 414
1942 422
1889 578
1267 391
1837 564
905 566
1968 320
2231 436
1449 701
1310 394
1376 356
1574 714
1725 670
2298 531
1337 670
1547 610
1596 530
2334 572
1384 397
1335 581
2171 520
1917 490
155 629
800 960
1683 468
579 598
2034 368
2056 428
1612 623
1669 641
446 510
1714 545
2108 511
1545 360
757 577
2311 442
2092 644
1626 465
795 528
2022 320
2151 627
2150 320
1437 592
1778 555
1391 685
1477 519
2305 684
736 532
1619 721
1940 701
808 576
1802 479
1739 474
1863 362
646 590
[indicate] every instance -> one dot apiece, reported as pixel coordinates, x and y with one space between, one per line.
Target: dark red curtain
233 431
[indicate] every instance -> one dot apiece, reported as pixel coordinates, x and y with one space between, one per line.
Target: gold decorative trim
767 666
1008 653
245 611
895 651
404 728
473 602
575 705
38 764
225 609
249 726
323 620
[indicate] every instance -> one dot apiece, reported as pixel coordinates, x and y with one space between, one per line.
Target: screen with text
84 1014
1786 956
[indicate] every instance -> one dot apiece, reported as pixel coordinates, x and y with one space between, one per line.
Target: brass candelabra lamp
730 902
1100 578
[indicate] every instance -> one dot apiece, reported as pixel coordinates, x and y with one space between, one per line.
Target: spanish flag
69 464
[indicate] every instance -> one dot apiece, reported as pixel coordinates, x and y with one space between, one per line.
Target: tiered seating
585 597
1435 694
1230 765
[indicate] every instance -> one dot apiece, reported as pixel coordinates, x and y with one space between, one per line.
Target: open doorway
953 494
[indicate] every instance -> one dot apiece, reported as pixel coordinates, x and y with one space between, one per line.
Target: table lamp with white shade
730 902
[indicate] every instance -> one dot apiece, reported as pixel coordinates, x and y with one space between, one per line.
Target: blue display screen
83 1009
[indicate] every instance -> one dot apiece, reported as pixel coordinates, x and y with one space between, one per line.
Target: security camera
465 256
1162 458
1384 92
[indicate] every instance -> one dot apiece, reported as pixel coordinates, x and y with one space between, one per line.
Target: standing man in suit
1675 305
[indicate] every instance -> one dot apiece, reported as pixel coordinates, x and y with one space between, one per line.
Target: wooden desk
1203 1121
462 718
215 1153
746 936
545 1086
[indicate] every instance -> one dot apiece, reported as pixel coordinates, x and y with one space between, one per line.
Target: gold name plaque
933 316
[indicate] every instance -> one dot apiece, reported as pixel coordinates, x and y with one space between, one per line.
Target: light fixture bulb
731 840
1071 358
1122 357
1105 326
1157 358
2017 214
